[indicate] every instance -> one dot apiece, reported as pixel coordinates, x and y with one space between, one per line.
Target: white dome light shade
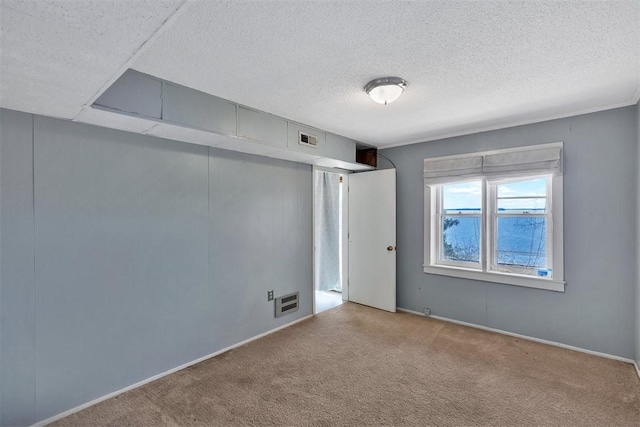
385 90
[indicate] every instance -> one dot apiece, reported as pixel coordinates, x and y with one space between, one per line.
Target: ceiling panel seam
144 46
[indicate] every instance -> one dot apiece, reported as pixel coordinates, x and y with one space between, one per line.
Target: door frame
345 231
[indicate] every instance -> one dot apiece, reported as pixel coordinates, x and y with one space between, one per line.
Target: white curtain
328 231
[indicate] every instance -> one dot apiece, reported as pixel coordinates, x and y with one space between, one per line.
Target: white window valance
495 164
437 171
523 162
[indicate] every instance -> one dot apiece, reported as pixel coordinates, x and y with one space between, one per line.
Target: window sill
507 279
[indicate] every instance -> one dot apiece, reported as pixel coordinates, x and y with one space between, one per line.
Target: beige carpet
354 365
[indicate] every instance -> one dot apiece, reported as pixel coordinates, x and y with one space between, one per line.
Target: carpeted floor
355 365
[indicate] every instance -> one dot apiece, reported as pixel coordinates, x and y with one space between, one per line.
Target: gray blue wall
638 236
600 188
123 256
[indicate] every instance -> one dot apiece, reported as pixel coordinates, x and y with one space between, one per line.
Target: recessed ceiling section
98 117
471 65
56 55
250 147
181 133
145 104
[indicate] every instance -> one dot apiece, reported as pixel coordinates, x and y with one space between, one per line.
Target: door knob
390 248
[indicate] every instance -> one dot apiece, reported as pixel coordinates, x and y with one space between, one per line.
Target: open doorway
330 239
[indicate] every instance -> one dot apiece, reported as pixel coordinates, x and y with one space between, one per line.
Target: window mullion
485 223
549 218
439 232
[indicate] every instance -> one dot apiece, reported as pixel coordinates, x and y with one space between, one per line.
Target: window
519 227
496 216
460 224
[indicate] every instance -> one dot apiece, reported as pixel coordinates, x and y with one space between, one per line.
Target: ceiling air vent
287 304
308 140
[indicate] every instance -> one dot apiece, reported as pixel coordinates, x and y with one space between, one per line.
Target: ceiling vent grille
287 304
307 139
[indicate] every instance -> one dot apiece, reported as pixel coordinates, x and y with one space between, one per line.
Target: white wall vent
287 304
307 139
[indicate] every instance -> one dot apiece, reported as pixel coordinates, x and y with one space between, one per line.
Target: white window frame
484 272
494 214
440 232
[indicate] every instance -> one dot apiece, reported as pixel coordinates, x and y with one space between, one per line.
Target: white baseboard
637 368
163 374
525 337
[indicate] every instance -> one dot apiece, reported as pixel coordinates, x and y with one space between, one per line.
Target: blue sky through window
465 195
534 189
468 195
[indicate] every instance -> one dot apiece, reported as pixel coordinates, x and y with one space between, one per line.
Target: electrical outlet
269 295
427 312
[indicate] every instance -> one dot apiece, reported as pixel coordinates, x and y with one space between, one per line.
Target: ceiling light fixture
385 90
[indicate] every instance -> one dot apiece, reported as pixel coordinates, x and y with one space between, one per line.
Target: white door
372 239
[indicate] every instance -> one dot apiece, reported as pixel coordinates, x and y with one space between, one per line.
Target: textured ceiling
470 65
56 55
